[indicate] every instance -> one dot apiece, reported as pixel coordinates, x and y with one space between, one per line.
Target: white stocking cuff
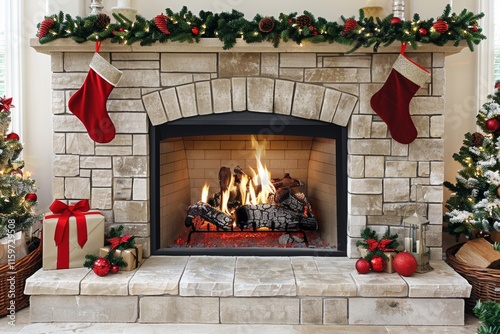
411 71
107 71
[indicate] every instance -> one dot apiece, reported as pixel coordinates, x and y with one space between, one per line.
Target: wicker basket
485 282
24 268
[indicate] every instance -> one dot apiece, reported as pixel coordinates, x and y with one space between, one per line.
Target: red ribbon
61 236
382 244
117 241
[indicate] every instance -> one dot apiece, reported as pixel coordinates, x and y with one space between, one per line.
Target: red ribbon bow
382 244
117 241
65 211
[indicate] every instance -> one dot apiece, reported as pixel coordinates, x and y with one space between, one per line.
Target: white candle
408 244
124 3
419 247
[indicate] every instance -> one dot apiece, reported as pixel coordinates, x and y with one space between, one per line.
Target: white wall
461 73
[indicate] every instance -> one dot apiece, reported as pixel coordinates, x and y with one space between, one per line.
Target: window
2 48
496 41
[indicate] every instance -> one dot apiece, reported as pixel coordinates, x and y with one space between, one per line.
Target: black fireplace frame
246 122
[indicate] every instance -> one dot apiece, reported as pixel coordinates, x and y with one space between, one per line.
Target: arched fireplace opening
184 152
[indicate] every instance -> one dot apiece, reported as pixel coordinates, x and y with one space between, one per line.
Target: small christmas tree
17 189
475 203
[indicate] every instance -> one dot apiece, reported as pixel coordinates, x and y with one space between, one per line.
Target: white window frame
486 52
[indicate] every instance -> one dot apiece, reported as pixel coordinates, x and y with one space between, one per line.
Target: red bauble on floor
377 263
101 267
405 264
362 266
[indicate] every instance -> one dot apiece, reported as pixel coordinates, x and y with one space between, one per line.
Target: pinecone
349 25
161 21
45 26
303 21
266 24
477 139
102 21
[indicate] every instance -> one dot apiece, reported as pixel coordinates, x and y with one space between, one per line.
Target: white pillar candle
408 244
124 3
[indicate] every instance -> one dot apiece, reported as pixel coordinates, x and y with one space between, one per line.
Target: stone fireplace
201 87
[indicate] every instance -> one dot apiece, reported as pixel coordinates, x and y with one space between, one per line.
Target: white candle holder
96 7
414 241
398 8
124 7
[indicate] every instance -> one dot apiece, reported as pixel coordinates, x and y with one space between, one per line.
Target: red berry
362 266
422 31
195 30
315 33
290 21
475 28
395 20
405 264
377 263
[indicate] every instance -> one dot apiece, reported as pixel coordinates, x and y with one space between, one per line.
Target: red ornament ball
115 268
493 124
12 136
362 266
349 25
475 28
497 84
195 31
405 264
31 197
422 31
377 263
101 266
396 20
440 26
290 21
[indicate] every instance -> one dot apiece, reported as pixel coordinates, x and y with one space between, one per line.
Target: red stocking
392 101
89 102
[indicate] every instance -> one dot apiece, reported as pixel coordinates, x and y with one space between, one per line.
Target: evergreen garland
229 27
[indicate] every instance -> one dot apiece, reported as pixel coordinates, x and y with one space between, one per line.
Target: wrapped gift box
69 253
133 256
389 267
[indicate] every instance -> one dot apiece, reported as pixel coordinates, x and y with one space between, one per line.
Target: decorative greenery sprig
115 241
376 246
184 26
489 314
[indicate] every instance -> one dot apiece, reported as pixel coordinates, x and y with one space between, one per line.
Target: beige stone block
430 193
76 188
180 310
437 173
293 74
55 282
113 150
427 105
364 186
154 108
356 166
260 94
112 285
434 236
437 126
402 209
67 80
126 93
140 191
136 56
379 130
95 162
297 60
364 204
259 310
130 122
398 149
283 97
438 81
87 309
187 100
158 275
385 220
140 145
360 126
355 225
435 214
204 97
189 62
380 285
125 105
233 64
79 143
311 311
202 77
101 198
58 187
66 165
417 311
335 311
366 92
172 108
67 123
56 62
308 100
347 61
324 284
128 211
330 104
426 149
130 166
58 143
122 189
396 190
337 75
222 95
79 62
136 65
239 91
345 109
175 79
208 276
147 78
374 166
424 169
85 173
369 147
269 65
382 66
422 125
402 168
352 89
102 178
58 102
438 59
119 140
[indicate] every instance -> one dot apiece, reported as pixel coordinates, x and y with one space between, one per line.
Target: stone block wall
383 175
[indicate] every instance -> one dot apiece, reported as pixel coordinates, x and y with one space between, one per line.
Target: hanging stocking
392 101
89 102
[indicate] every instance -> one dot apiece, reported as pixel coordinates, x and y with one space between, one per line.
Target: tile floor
23 326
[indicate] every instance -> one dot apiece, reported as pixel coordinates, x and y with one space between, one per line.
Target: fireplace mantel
215 45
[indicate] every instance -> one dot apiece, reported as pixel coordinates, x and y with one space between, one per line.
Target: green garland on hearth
184 26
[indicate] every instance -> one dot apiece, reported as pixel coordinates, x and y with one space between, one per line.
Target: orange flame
204 193
263 176
225 196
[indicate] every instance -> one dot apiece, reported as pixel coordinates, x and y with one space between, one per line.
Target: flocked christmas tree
474 206
17 189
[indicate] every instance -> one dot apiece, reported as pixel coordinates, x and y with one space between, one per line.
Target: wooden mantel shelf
215 45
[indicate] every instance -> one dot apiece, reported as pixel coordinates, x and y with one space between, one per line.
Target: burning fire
204 193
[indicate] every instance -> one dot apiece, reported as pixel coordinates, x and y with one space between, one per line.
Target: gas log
273 217
210 214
